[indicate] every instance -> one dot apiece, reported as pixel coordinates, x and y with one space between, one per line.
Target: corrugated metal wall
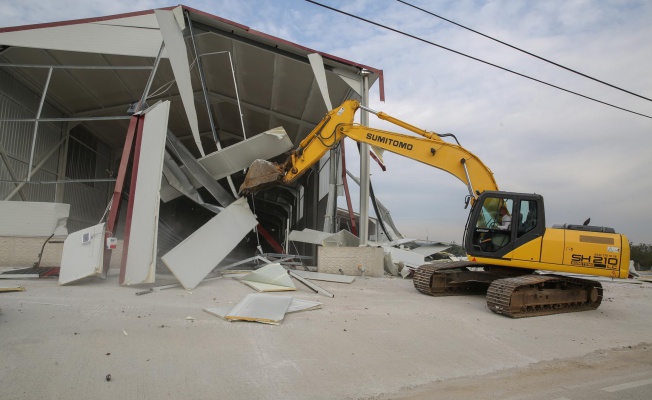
87 201
88 158
16 139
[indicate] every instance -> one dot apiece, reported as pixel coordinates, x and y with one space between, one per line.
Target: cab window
527 219
494 225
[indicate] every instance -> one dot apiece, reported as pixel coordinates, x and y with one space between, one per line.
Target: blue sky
586 159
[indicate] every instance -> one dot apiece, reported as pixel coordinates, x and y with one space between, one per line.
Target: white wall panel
140 266
195 257
82 259
22 218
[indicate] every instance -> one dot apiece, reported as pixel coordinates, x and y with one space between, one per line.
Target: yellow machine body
569 251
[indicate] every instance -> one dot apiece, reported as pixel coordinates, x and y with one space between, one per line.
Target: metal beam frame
202 79
38 115
10 169
63 165
364 165
37 167
150 79
66 119
57 66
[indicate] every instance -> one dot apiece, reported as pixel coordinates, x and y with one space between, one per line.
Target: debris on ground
270 278
263 308
12 288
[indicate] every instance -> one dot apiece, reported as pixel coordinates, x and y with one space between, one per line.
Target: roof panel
255 69
292 86
90 38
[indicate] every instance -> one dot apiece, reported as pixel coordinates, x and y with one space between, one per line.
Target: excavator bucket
262 174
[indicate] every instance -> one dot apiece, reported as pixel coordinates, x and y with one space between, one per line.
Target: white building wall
87 201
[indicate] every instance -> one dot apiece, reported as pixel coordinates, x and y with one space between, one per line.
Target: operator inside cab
505 219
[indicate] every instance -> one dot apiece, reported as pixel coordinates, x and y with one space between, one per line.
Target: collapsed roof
275 83
94 71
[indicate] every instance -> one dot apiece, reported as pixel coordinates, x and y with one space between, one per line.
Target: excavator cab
501 222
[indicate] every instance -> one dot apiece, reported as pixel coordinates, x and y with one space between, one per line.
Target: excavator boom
427 148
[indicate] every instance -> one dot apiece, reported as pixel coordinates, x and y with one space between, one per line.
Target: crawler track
438 279
536 295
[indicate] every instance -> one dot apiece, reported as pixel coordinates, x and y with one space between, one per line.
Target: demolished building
191 99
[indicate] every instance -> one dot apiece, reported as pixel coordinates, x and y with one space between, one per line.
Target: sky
585 158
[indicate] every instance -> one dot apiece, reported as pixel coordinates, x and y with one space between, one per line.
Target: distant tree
641 254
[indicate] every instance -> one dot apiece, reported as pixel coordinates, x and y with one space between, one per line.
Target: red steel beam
117 191
130 204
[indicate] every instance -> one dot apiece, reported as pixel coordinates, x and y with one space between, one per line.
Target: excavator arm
428 148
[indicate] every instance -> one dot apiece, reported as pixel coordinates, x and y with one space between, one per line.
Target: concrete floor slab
376 337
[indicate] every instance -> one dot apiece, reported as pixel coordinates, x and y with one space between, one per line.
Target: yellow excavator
512 256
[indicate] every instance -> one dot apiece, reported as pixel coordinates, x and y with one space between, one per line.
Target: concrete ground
378 338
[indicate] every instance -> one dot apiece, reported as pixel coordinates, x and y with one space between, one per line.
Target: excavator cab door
502 221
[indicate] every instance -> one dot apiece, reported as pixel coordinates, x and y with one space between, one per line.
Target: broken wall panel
296 305
271 274
83 254
430 249
197 255
342 238
33 219
139 265
408 257
235 158
308 236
